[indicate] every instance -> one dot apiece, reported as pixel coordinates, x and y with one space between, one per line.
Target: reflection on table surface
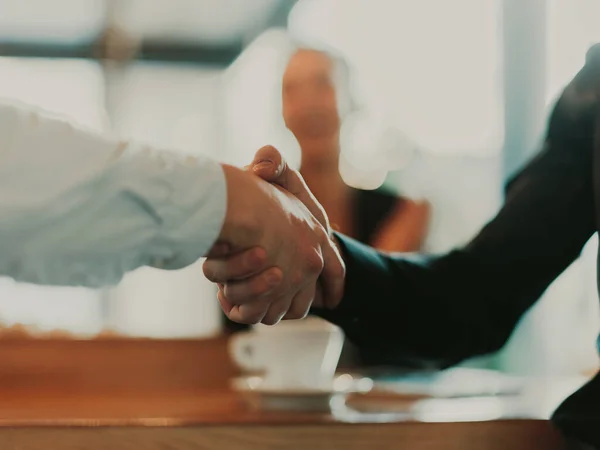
177 394
209 420
536 402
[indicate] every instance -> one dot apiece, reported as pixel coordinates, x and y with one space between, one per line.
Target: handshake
276 255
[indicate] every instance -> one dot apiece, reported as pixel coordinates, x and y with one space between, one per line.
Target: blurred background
449 100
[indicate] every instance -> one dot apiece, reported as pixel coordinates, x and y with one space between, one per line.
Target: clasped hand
276 256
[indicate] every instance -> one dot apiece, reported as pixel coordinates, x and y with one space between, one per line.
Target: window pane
572 28
75 89
436 64
57 21
168 105
222 21
69 87
251 103
172 106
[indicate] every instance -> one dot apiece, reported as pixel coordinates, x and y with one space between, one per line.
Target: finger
277 310
271 166
268 163
318 301
250 289
333 276
235 267
250 314
279 173
219 250
226 305
301 303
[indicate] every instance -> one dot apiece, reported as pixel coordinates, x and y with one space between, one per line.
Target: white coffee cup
300 354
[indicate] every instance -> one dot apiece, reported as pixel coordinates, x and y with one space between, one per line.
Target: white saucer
262 396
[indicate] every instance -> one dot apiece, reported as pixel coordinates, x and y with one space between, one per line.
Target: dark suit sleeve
440 310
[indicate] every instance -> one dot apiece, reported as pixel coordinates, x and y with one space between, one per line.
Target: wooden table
144 395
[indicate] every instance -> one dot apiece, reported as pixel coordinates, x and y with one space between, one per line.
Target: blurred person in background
316 99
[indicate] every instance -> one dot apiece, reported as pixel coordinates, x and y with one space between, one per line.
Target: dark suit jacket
437 311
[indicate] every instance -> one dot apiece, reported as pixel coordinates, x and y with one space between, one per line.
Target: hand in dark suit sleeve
441 310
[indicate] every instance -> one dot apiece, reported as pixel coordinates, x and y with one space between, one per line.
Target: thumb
268 164
271 166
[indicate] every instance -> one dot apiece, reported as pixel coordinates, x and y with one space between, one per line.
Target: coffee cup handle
242 349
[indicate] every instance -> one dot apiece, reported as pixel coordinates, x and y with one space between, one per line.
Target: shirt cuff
362 263
196 212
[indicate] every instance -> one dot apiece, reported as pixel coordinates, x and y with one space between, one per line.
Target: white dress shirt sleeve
81 209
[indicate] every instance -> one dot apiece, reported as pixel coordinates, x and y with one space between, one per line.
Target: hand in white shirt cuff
78 208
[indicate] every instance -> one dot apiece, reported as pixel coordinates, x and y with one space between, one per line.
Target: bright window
74 89
55 21
572 28
434 66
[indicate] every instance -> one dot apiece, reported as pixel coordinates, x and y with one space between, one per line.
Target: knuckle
277 310
322 234
208 271
338 270
273 277
297 278
314 261
252 321
302 304
250 317
297 312
236 293
232 296
296 315
235 267
270 320
258 287
243 292
267 148
243 320
256 258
